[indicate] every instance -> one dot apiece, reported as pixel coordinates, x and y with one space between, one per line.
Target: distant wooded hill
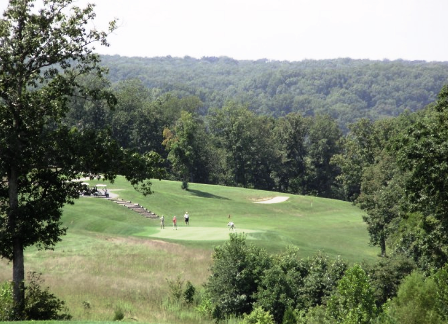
346 89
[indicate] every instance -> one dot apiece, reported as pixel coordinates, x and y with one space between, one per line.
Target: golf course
113 259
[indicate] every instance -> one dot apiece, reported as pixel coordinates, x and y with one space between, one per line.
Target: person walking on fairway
162 222
174 222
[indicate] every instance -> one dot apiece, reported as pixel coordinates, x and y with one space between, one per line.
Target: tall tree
290 134
381 192
422 150
358 152
322 144
232 132
42 54
187 145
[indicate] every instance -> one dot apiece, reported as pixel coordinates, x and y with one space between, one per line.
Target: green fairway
191 233
313 224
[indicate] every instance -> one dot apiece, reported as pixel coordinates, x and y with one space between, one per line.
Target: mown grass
114 259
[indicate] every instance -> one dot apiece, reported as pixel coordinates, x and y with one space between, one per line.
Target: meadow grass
113 259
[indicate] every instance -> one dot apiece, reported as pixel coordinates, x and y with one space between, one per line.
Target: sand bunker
274 200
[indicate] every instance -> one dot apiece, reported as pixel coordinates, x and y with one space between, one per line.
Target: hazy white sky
277 29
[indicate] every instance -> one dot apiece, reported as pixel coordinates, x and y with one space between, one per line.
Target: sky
291 30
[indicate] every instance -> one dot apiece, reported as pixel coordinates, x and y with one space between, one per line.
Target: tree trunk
383 245
18 267
18 277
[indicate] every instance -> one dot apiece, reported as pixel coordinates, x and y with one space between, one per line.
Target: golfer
187 218
162 222
174 222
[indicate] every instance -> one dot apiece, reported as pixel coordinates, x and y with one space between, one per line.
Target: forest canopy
346 89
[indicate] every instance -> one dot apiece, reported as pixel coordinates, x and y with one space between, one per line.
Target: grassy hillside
311 223
114 259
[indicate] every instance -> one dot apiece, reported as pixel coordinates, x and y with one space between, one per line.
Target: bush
298 283
441 281
41 304
176 287
189 293
118 314
386 275
353 301
236 271
289 317
258 316
6 302
205 307
314 315
416 301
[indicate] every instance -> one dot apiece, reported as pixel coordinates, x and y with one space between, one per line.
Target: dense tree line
249 284
230 145
345 89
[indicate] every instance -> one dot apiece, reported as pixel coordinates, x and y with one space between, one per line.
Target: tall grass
107 273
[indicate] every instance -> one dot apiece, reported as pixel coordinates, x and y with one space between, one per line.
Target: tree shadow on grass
203 194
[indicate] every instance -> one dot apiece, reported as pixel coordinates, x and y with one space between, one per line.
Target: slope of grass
114 259
311 223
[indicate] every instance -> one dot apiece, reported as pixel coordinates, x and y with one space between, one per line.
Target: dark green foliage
386 275
346 89
441 282
298 283
236 270
40 304
416 301
6 302
289 136
314 315
118 314
289 316
323 142
353 301
421 151
381 191
258 316
189 292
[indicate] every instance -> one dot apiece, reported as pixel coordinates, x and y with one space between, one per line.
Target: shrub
416 301
6 302
353 301
258 316
236 272
205 307
41 304
189 293
314 315
441 281
289 317
175 286
118 314
385 276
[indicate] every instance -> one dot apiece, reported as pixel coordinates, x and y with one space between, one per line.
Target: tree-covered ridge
346 89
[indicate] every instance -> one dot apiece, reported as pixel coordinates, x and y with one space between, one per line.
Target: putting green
191 233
